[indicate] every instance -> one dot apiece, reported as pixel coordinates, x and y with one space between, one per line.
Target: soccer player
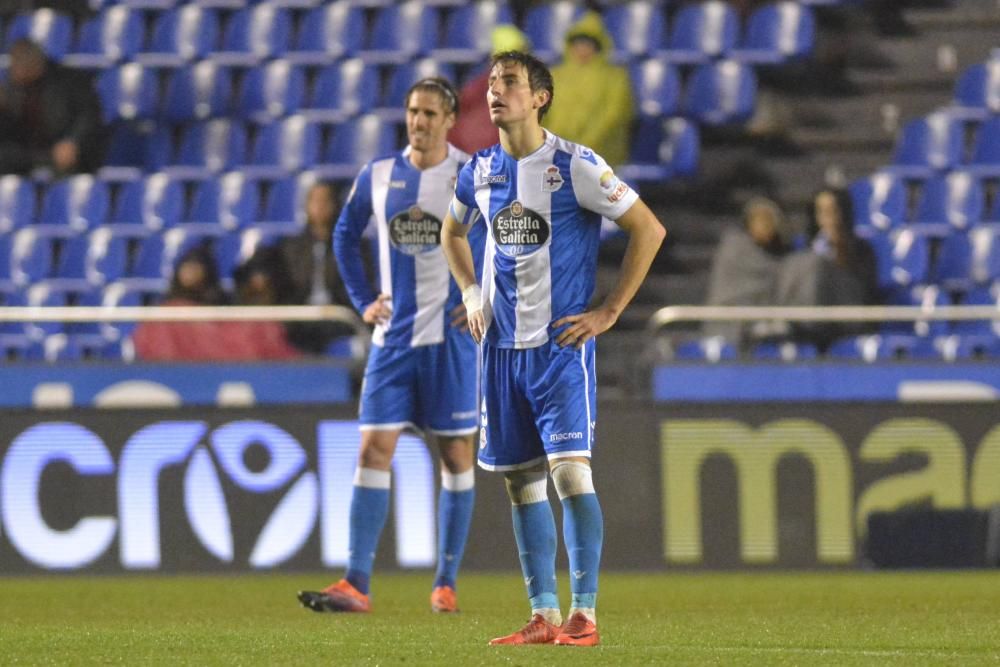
542 198
422 370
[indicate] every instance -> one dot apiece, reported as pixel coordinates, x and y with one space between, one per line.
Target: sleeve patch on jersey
588 155
552 180
620 191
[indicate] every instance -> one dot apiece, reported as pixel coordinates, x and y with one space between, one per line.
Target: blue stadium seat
51 30
546 25
128 92
637 29
721 93
74 204
702 32
197 92
150 204
110 37
115 295
656 86
31 255
284 204
987 295
328 33
662 148
951 201
90 261
985 159
405 75
927 145
223 205
209 148
879 202
468 30
37 296
354 143
927 297
254 34
17 203
284 146
271 91
343 90
977 91
712 349
965 260
975 347
7 284
787 351
903 258
778 33
402 32
157 254
180 35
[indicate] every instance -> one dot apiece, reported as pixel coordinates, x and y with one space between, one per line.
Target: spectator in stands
312 271
836 269
594 106
746 265
474 130
50 115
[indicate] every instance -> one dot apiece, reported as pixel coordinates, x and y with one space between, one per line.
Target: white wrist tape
472 297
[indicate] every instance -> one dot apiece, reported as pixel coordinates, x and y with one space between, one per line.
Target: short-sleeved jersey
407 205
543 215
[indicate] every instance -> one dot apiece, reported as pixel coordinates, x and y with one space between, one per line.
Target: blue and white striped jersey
544 219
407 206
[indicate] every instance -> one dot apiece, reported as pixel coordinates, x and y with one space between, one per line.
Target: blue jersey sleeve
347 240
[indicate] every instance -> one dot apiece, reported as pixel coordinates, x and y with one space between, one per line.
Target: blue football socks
455 504
583 531
369 509
535 530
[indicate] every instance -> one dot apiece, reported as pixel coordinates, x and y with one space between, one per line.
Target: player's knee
572 478
527 486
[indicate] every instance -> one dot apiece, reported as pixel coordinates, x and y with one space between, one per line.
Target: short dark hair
439 85
539 76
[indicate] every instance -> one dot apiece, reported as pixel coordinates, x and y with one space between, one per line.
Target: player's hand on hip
581 328
378 311
477 325
460 318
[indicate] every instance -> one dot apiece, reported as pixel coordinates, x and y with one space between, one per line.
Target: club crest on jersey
414 231
552 180
517 230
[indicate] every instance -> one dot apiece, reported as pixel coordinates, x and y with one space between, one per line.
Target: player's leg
455 505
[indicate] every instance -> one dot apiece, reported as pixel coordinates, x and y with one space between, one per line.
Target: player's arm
645 236
455 244
374 308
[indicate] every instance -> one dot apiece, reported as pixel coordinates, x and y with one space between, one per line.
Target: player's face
427 121
509 95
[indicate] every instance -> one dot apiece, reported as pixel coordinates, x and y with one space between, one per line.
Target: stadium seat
546 25
343 90
151 204
965 260
36 296
223 205
468 30
74 204
51 30
971 347
402 78
17 203
128 92
254 34
980 296
180 35
31 255
197 92
636 28
115 295
235 248
777 33
985 159
656 86
721 93
787 351
928 145
702 32
284 203
927 297
209 148
879 202
271 91
401 33
157 254
7 284
328 33
712 349
977 91
354 143
948 202
662 148
110 37
90 261
902 257
284 146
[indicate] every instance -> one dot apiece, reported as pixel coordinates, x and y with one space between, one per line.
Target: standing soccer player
423 366
543 198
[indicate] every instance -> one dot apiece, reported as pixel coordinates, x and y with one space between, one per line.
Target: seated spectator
836 269
473 129
312 271
746 265
50 116
593 103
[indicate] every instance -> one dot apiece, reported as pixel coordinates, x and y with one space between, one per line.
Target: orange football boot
341 596
444 600
537 631
578 631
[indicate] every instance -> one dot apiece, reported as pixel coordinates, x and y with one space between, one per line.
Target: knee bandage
572 478
526 487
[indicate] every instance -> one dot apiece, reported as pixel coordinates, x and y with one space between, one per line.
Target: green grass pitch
947 618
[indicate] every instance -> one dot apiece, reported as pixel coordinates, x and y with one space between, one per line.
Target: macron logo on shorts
562 437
